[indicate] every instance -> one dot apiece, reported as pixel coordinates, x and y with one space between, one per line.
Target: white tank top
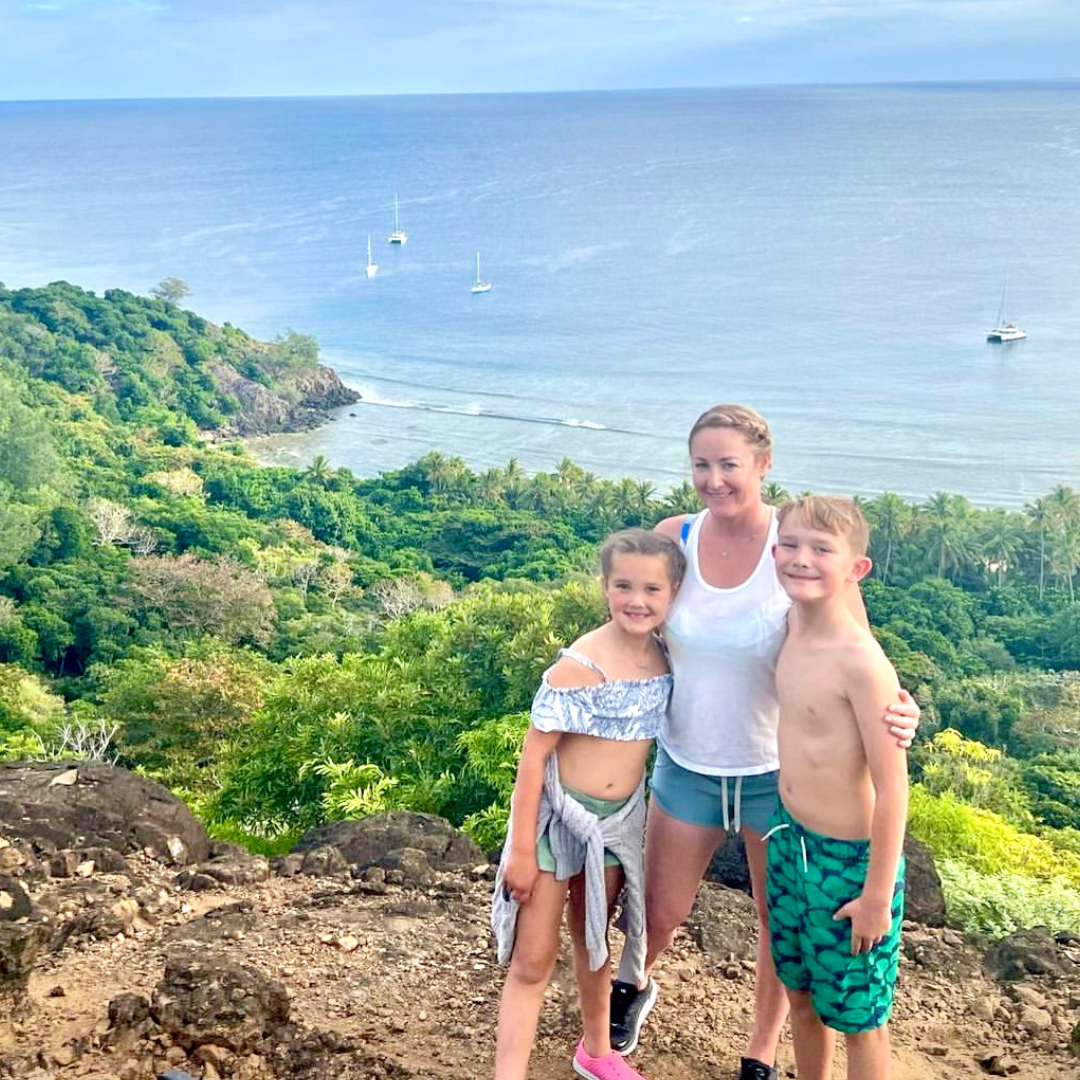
723 645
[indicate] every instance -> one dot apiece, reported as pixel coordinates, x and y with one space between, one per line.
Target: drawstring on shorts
728 826
802 843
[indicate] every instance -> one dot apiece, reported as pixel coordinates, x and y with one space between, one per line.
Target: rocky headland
132 944
297 402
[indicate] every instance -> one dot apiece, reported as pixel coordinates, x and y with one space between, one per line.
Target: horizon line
906 83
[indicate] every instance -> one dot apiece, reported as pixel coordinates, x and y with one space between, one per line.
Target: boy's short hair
836 514
644 542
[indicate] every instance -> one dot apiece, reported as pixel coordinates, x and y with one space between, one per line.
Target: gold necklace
741 543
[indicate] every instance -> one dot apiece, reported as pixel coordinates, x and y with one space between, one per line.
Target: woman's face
728 471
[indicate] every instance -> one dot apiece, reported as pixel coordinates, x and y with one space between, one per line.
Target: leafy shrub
1001 902
985 841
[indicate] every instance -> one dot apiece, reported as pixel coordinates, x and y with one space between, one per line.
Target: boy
835 864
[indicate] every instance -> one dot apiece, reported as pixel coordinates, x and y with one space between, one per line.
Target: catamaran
480 286
398 236
1005 331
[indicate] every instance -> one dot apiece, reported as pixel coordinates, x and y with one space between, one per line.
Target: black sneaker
752 1069
629 1007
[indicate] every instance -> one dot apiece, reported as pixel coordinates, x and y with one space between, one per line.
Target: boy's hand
520 876
870 922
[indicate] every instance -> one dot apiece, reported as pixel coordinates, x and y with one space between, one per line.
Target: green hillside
283 646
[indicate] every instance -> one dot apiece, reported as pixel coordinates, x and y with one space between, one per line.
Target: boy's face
639 592
814 564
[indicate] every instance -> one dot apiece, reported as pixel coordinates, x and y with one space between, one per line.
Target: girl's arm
521 871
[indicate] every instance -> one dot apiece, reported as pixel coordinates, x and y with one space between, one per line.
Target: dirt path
410 976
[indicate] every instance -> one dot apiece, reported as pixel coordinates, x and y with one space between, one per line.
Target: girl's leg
594 987
536 945
770 998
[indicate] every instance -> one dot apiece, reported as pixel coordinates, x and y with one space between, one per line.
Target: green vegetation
285 646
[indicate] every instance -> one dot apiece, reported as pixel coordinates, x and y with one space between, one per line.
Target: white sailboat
480 286
1005 330
372 269
398 236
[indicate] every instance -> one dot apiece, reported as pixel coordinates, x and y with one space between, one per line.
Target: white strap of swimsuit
738 802
723 799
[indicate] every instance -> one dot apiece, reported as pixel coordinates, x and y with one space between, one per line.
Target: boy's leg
814 1042
536 944
770 998
869 1054
594 987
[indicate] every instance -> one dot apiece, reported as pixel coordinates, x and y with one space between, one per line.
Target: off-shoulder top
621 709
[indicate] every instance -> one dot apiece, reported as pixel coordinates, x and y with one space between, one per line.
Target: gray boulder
924 900
1024 953
82 805
204 998
367 841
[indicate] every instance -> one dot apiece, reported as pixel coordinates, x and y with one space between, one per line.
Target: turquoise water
833 256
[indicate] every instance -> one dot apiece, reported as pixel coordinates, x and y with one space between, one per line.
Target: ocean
833 256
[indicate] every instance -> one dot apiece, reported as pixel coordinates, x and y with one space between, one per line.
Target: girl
578 810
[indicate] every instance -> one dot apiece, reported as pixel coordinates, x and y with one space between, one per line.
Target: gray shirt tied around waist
578 839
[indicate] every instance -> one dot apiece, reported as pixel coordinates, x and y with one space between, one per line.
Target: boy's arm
521 872
873 684
901 714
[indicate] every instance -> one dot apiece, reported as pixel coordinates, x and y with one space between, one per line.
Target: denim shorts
726 802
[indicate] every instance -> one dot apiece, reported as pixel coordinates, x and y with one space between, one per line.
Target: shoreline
296 449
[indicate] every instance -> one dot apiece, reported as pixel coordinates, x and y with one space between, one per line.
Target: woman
717 768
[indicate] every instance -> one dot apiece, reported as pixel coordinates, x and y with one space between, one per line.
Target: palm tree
682 499
890 521
1000 536
320 471
1065 555
643 495
491 485
1064 505
1039 515
775 494
947 526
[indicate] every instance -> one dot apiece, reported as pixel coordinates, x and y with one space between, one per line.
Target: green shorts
810 877
602 808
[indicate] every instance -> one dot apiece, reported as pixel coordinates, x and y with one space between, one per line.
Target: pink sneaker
609 1067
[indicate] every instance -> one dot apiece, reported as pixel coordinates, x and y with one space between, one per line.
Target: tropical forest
287 646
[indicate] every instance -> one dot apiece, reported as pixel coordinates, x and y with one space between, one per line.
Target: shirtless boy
835 864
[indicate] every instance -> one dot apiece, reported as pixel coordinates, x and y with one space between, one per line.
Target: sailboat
1005 330
398 236
480 286
372 269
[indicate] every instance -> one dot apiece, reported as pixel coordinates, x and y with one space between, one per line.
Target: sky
77 49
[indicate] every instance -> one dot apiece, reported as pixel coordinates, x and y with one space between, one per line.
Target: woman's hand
902 718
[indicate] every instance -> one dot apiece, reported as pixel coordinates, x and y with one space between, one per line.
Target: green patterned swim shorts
810 878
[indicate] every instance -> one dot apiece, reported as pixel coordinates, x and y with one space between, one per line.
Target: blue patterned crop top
621 709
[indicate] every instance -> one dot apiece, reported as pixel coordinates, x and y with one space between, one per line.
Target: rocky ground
323 967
